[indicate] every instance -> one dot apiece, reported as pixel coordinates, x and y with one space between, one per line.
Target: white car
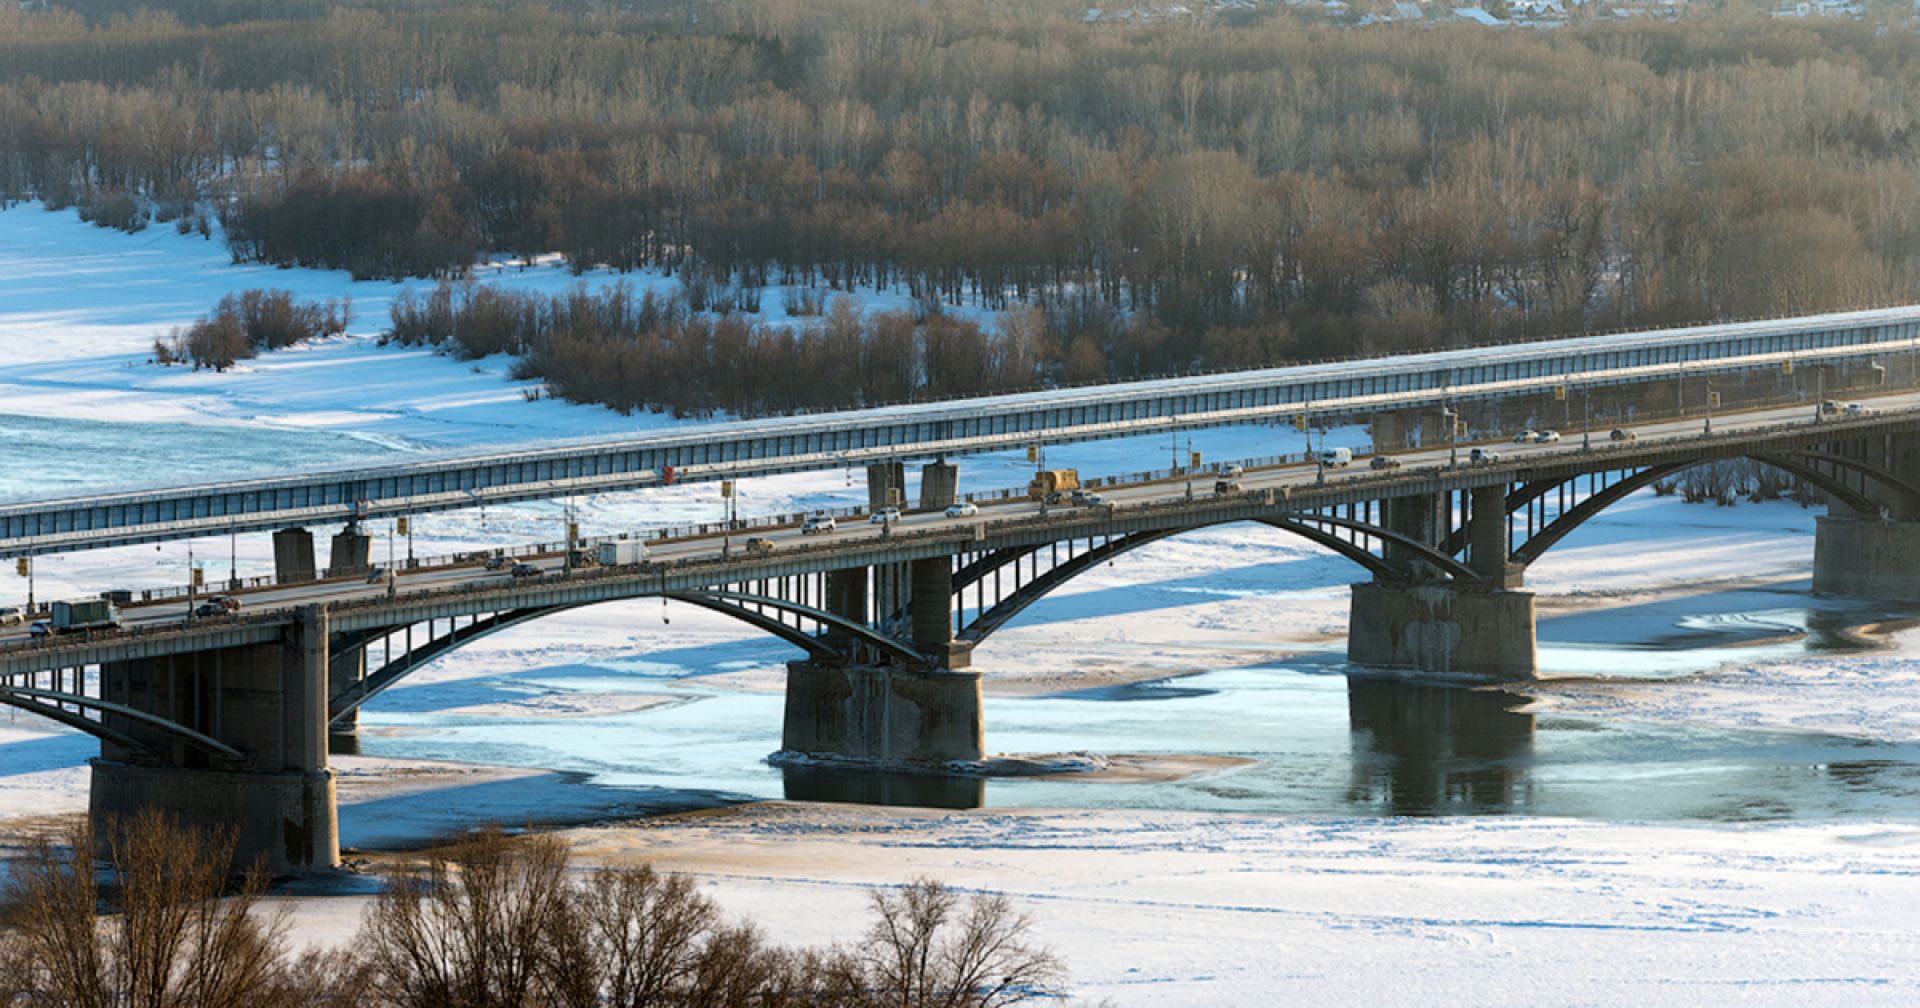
1546 437
1855 409
885 516
964 509
817 523
1525 437
1483 456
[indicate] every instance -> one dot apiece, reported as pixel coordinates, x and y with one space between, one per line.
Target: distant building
1477 16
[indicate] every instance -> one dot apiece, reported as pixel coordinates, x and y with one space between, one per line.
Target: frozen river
1317 737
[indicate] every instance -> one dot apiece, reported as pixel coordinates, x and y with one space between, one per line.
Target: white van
1334 458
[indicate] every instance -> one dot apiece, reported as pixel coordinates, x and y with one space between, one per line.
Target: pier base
1443 631
883 715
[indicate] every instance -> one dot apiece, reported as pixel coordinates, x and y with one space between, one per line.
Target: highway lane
1201 485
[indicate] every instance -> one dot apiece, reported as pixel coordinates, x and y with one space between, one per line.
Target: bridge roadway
1345 389
698 561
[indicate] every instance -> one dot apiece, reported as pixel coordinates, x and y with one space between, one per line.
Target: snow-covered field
1149 907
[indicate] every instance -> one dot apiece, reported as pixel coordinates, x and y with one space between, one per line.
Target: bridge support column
886 485
883 715
352 553
939 485
1443 630
1867 557
343 670
1487 528
293 556
269 701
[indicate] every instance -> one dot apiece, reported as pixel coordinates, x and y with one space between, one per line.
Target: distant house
1477 16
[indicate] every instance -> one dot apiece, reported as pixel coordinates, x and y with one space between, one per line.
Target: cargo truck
1048 483
89 614
623 553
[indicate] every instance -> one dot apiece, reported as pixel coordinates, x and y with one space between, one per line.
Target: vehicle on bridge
1525 436
622 553
885 516
1383 462
1048 484
818 523
1225 487
1334 458
499 561
1483 456
759 545
87 614
525 570
964 509
1547 437
1620 434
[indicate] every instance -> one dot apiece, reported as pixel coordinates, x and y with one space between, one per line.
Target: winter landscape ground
1715 802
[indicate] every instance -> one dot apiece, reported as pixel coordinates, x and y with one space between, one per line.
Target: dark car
209 608
499 562
525 570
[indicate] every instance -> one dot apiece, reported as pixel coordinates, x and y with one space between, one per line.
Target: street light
1453 434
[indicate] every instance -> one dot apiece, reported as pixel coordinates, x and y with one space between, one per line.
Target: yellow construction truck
1050 484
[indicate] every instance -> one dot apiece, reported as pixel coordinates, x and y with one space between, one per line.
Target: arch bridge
230 721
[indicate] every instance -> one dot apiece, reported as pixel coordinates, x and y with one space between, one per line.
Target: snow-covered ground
1148 907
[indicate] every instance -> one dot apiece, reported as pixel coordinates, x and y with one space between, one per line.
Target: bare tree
172 936
470 927
928 949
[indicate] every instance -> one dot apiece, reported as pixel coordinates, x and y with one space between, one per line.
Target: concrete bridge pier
1867 558
890 713
1875 553
351 554
293 556
1422 620
1443 630
268 702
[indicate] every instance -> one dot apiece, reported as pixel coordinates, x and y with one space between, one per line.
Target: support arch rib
53 705
735 604
350 699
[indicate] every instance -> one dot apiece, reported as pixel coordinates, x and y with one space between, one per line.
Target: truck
1048 482
88 614
1334 458
623 552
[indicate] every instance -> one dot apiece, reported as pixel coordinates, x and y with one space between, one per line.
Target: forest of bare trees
1248 189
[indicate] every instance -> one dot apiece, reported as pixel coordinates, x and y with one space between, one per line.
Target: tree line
491 922
662 352
1260 187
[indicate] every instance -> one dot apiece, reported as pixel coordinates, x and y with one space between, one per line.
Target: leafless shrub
472 927
172 935
928 950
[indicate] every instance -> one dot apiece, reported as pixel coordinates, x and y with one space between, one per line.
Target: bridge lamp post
1453 434
1709 425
